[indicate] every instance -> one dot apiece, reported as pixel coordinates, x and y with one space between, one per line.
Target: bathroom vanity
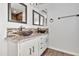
33 45
26 42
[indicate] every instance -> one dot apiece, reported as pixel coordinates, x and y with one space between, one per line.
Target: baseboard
75 54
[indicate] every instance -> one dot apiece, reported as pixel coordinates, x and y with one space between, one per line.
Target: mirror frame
46 21
34 19
38 18
9 6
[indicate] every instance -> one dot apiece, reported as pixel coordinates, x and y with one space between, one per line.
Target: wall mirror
35 18
17 12
41 20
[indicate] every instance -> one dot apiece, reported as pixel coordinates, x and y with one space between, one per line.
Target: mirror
35 18
41 20
17 12
45 21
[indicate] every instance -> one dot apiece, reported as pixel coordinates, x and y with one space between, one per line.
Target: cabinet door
42 44
29 48
12 48
45 41
25 48
35 47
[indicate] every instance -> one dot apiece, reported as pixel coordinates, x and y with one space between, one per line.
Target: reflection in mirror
45 21
41 20
35 18
17 12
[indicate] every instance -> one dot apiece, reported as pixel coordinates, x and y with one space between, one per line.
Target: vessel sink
24 33
42 31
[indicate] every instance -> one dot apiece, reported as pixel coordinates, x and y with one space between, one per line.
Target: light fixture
51 20
68 16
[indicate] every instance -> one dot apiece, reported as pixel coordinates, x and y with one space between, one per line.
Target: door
42 42
12 48
29 48
35 47
25 48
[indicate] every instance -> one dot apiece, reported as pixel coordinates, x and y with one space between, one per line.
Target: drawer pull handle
33 48
30 50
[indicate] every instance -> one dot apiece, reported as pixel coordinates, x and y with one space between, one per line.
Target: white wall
64 33
3 19
4 24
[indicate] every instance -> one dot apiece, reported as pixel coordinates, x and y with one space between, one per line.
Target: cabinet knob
41 47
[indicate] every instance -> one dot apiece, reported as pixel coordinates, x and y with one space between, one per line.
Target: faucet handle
20 28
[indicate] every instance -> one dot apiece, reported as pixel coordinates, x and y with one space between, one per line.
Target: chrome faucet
20 28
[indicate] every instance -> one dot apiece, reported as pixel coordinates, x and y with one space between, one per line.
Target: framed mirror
17 12
41 20
36 18
45 21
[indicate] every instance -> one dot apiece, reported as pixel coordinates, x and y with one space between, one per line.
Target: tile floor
52 52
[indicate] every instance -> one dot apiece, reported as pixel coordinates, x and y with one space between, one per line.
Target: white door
42 42
45 41
25 48
28 48
12 48
35 47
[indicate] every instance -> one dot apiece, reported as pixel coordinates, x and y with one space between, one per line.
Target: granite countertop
23 38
